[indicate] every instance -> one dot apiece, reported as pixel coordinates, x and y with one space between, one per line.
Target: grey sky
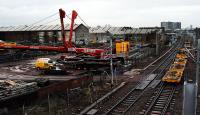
134 13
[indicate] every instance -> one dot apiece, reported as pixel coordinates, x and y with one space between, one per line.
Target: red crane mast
67 45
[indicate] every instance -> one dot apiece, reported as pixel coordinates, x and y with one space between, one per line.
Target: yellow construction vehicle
122 47
44 64
176 70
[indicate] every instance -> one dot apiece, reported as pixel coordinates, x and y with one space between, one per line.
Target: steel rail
159 97
129 98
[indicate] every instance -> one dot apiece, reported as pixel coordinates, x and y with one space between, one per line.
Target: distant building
171 25
197 32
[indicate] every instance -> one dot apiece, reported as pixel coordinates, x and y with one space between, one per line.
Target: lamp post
157 44
111 62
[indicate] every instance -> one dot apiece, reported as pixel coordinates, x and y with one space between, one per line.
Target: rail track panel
160 101
108 103
175 107
125 103
123 106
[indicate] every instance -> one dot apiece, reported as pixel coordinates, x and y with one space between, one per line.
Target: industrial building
43 34
171 25
142 36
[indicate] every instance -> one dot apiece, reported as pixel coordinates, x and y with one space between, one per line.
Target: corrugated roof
67 26
133 31
115 30
36 28
97 30
19 28
137 31
24 28
143 31
118 30
106 28
148 31
5 28
40 28
57 27
12 28
128 31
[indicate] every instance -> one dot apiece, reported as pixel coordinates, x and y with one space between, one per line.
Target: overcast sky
135 13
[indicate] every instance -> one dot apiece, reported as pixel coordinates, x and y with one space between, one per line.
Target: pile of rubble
10 89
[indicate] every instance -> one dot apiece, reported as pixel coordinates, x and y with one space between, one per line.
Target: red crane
67 45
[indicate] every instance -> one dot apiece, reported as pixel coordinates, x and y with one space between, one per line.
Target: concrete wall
81 34
99 37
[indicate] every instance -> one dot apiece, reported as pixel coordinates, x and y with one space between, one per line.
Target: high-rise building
171 25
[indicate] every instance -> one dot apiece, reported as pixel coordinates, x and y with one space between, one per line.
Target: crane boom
67 45
74 15
62 16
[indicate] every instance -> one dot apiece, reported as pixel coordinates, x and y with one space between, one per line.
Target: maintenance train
176 70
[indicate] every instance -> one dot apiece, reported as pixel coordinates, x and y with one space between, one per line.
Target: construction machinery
67 45
85 58
44 64
176 70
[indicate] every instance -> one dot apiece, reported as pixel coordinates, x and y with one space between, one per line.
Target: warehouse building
99 34
42 33
137 35
103 34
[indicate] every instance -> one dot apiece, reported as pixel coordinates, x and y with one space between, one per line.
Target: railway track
134 95
160 59
159 102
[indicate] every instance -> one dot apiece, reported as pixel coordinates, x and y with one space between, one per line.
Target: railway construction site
115 71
